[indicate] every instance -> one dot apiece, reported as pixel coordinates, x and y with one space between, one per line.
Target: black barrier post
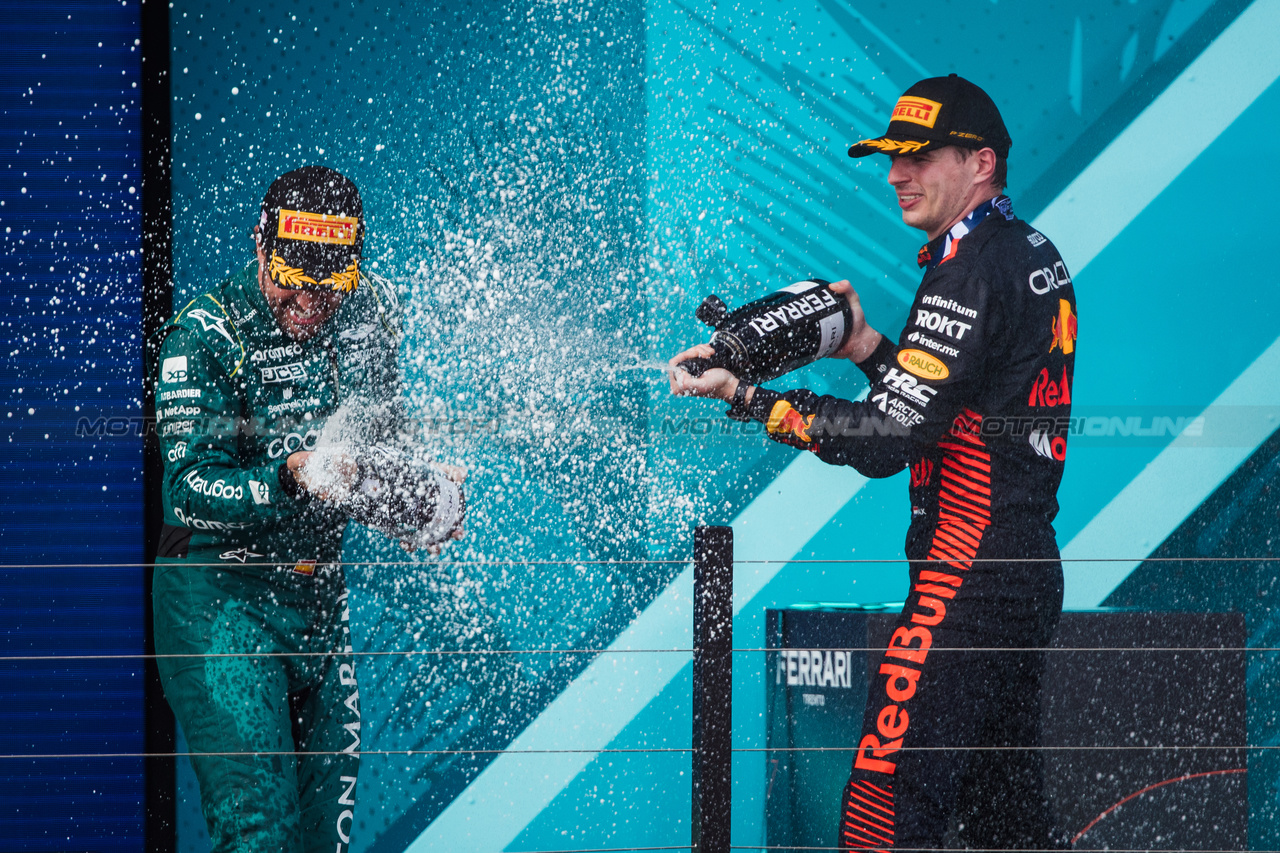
712 687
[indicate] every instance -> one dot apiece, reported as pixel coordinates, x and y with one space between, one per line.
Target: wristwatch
738 403
289 483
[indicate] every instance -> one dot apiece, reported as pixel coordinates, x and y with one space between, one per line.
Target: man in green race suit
251 614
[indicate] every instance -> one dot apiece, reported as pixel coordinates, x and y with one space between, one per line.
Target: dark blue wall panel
70 353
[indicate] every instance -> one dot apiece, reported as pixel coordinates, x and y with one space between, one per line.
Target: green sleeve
199 420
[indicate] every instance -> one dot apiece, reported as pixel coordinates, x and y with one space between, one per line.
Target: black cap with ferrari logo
940 111
312 230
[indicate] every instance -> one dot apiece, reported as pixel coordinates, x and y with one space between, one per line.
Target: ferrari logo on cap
920 111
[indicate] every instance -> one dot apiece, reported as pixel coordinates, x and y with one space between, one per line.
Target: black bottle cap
712 311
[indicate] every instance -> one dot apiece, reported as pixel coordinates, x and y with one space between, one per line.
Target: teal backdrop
556 185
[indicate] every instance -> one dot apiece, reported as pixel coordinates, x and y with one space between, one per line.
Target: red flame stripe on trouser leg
934 699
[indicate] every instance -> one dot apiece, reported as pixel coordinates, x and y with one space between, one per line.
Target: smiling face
937 188
301 314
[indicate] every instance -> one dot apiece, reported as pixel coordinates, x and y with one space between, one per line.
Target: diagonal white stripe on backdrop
1216 88
590 713
1222 82
1168 490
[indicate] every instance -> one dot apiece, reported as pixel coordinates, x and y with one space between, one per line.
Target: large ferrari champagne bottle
780 333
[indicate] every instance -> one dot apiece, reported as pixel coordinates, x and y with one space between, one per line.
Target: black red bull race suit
975 399
251 609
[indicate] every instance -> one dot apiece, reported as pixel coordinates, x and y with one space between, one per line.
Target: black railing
712 687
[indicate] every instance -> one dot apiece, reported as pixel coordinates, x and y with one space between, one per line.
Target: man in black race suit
974 399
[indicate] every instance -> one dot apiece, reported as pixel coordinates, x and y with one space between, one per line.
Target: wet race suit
974 399
246 566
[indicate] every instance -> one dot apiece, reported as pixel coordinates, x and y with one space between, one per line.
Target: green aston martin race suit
248 591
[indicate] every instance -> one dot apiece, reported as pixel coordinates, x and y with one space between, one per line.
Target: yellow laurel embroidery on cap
345 281
891 146
286 276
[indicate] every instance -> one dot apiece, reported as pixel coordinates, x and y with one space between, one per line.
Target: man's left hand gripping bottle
405 497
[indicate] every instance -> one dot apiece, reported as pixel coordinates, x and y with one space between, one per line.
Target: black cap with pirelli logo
940 111
312 230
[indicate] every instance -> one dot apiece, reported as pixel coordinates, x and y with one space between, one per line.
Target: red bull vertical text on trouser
975 400
953 692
